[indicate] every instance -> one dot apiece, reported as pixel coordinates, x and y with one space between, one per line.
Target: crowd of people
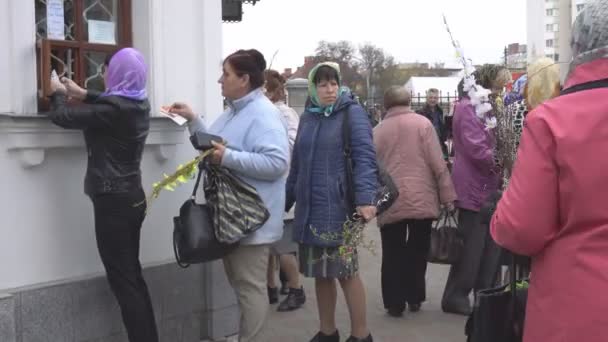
540 166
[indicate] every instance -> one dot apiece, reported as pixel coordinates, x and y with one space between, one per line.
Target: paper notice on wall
55 22
102 32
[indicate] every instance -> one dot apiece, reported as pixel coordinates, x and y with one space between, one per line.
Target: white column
212 52
565 33
5 64
536 20
182 45
18 94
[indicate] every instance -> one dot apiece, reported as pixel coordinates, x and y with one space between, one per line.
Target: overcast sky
410 30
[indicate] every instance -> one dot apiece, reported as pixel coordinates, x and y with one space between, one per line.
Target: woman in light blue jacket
258 153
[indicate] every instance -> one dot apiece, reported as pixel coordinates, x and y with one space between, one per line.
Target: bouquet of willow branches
182 175
350 238
507 141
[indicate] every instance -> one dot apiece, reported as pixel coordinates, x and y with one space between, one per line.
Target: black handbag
194 239
447 242
499 313
486 213
387 191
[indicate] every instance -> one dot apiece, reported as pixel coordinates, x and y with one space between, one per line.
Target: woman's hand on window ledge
57 87
73 89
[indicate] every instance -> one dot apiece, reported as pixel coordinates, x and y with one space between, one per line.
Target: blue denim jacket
316 181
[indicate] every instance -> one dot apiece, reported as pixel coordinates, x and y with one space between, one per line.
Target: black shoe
367 339
321 337
394 312
273 295
415 307
295 299
284 289
456 308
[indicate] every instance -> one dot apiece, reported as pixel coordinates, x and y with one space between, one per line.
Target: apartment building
549 25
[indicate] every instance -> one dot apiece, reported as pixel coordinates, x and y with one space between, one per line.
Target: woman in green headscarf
317 183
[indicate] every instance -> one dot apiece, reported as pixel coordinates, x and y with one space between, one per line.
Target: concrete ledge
86 310
8 327
30 136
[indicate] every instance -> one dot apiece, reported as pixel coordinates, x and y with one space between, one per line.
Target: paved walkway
429 325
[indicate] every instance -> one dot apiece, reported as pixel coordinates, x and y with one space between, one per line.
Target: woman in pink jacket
555 207
407 145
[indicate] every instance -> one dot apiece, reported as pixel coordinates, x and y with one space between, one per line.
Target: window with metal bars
92 30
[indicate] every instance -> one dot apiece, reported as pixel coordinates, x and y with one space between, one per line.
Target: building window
92 30
552 27
556 57
549 43
552 12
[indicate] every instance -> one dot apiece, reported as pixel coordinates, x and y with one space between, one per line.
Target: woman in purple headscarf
115 125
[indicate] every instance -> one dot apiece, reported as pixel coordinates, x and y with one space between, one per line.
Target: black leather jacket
445 125
115 131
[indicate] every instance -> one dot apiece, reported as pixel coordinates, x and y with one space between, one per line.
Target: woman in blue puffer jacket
317 184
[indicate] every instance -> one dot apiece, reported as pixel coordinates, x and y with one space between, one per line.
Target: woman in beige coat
408 147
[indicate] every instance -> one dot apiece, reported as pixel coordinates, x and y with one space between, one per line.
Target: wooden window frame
80 46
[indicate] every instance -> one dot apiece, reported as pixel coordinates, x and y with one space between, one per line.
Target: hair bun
273 75
260 61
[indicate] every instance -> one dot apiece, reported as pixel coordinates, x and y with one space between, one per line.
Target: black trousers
118 224
478 266
405 247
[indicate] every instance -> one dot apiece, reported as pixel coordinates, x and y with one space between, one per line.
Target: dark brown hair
326 73
248 62
488 75
275 85
108 58
106 61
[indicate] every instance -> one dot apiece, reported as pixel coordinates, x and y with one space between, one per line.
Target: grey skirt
286 245
326 262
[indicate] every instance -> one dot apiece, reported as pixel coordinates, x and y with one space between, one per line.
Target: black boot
273 295
395 312
295 299
415 307
367 339
284 288
458 307
321 337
